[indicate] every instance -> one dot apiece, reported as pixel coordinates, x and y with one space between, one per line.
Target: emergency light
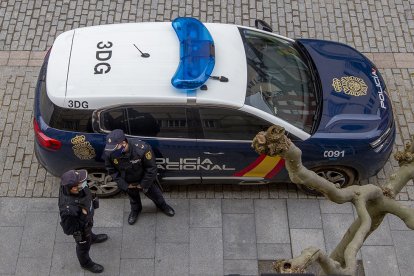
196 53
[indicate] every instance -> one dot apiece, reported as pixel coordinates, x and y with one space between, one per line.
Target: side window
159 121
152 121
114 119
227 124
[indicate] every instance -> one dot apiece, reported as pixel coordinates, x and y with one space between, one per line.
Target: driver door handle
213 153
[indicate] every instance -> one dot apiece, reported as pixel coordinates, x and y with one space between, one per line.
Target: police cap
113 138
73 177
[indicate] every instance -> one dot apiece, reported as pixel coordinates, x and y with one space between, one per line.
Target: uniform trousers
154 193
83 247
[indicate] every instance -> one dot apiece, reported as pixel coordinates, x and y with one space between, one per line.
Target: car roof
132 79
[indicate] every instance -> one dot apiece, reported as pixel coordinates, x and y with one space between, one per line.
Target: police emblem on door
82 148
350 85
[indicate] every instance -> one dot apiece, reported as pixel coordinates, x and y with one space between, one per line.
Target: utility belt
125 185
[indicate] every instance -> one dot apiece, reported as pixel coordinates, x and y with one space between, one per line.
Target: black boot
94 267
99 238
133 216
168 210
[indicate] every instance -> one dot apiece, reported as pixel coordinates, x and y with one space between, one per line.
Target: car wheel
99 184
339 175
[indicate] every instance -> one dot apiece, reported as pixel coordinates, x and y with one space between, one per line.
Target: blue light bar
196 53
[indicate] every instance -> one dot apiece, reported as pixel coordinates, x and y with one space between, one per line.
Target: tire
338 175
98 183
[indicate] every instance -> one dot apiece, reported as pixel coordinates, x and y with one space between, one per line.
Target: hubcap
98 183
334 177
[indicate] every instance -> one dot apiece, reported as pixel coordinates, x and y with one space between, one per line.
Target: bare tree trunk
371 202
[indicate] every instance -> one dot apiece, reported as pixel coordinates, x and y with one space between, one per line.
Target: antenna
144 55
220 78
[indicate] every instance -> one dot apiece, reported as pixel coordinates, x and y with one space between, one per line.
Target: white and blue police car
198 94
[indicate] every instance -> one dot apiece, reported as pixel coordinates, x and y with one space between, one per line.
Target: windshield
278 79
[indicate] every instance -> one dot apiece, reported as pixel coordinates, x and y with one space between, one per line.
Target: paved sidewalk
206 237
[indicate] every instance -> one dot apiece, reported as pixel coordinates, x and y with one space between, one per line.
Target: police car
198 94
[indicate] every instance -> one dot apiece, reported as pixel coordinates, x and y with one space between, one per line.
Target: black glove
77 236
122 184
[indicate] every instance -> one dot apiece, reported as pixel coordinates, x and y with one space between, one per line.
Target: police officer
132 166
76 207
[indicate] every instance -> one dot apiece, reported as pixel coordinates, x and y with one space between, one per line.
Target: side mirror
262 25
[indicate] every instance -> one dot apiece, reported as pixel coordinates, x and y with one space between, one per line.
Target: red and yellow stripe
264 166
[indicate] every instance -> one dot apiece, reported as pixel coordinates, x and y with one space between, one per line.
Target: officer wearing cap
76 207
132 166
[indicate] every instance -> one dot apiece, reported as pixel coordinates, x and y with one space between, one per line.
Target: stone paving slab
303 238
239 237
395 222
237 206
113 217
12 211
10 239
206 251
271 214
205 213
304 213
404 249
381 236
329 207
64 261
139 236
33 266
38 235
379 260
334 227
132 267
176 229
110 250
43 205
240 267
172 259
272 251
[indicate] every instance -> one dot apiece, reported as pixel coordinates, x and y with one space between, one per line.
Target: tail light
44 141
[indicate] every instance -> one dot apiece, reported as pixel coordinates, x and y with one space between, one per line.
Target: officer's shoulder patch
141 148
148 155
140 144
116 161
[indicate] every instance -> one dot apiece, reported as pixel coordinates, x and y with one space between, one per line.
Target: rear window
79 120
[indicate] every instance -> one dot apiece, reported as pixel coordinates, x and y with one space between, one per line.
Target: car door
226 152
166 129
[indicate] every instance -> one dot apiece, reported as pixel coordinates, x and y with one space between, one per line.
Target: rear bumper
41 155
56 163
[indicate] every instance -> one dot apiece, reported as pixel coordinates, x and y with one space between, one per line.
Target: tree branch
405 213
371 202
398 180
